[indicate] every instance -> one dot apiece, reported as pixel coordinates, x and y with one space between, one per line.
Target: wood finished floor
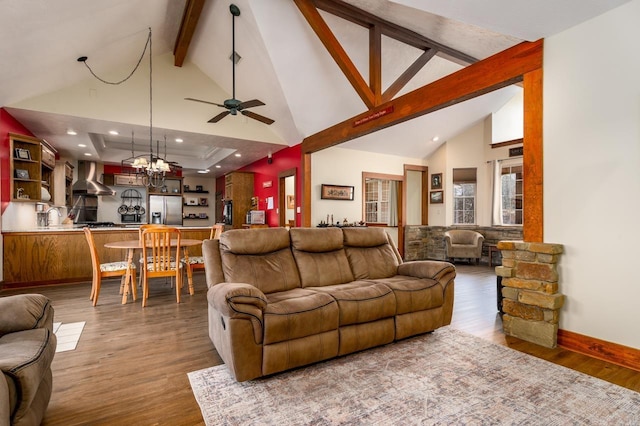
131 364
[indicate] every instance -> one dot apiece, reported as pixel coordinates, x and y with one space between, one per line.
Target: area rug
447 377
68 335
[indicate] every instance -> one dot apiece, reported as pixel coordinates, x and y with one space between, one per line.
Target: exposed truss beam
190 17
371 94
334 48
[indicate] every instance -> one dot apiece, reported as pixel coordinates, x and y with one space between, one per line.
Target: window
464 196
376 200
511 190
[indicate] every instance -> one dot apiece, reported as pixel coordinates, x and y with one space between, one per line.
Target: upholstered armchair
464 244
27 347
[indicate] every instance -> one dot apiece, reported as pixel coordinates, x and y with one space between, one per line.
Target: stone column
530 298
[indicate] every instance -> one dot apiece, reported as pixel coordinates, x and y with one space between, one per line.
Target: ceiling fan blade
219 117
258 117
250 104
204 102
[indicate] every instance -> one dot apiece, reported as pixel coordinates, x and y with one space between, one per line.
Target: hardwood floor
131 364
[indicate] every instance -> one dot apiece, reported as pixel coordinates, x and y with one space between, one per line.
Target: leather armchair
27 347
464 244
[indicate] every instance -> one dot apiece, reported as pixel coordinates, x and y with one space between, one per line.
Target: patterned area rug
444 378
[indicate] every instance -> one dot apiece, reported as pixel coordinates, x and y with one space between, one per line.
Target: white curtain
496 205
393 203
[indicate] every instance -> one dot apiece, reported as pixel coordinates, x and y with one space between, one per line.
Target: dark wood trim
498 71
190 17
507 143
614 353
282 207
389 29
532 161
336 51
306 189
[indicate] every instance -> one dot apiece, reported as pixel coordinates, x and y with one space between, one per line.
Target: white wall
592 172
508 121
340 166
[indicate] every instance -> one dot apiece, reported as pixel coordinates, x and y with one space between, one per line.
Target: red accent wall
285 159
8 124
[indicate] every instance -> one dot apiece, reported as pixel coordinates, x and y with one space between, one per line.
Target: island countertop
61 254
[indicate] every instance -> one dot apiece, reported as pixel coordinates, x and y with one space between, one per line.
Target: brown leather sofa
27 348
279 299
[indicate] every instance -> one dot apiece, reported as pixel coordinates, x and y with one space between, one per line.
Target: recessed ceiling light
179 140
88 154
113 132
218 166
203 171
238 155
81 145
72 132
435 138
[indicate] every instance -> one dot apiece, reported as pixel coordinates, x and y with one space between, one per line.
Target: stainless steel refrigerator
168 206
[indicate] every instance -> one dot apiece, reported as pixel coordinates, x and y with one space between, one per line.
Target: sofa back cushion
320 256
260 257
371 253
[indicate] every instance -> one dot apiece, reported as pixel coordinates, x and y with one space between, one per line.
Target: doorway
287 198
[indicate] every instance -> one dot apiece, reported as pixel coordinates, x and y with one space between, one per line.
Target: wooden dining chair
193 263
142 261
158 250
109 270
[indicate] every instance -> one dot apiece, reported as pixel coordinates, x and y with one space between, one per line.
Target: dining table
132 245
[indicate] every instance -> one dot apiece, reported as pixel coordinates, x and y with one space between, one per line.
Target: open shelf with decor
26 169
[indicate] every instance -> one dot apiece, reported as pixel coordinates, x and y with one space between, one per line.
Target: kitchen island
55 255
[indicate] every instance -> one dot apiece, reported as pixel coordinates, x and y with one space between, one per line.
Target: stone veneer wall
427 242
530 298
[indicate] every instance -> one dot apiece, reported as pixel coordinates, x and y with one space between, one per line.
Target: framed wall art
436 181
336 192
436 197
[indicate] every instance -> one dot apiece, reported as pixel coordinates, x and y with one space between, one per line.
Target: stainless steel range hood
88 183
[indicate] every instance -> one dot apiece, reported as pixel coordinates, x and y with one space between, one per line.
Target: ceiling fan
233 105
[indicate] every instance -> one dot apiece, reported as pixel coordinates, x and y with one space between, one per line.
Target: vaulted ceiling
283 63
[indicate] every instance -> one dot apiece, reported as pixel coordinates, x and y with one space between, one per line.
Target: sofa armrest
433 269
236 300
5 405
25 312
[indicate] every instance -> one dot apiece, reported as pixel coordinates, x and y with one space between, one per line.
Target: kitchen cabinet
172 186
123 180
48 165
25 168
238 189
63 179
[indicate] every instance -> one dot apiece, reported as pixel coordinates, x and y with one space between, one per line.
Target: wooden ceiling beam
331 43
409 73
500 70
375 63
190 17
389 29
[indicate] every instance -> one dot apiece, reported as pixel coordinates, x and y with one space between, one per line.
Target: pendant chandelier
152 168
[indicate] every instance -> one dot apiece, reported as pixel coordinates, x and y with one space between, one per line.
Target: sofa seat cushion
414 294
361 301
298 313
25 360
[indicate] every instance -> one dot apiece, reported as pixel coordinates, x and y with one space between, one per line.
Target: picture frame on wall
291 202
436 197
436 181
336 192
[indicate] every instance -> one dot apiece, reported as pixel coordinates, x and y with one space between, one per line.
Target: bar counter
60 254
